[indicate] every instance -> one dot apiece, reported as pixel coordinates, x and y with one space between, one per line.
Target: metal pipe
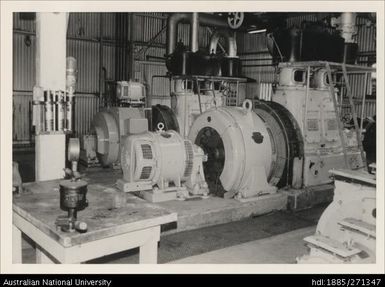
131 56
230 39
101 25
71 84
172 24
212 20
194 32
176 18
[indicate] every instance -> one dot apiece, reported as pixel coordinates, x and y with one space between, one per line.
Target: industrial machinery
305 91
201 79
239 150
127 115
111 125
291 141
315 41
132 93
187 104
162 165
346 231
182 60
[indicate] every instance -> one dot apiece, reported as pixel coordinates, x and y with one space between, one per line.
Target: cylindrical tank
71 69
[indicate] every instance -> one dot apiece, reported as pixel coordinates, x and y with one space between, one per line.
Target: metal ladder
338 111
199 90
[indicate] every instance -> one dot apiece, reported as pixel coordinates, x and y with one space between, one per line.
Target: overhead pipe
172 25
195 20
194 32
346 24
230 39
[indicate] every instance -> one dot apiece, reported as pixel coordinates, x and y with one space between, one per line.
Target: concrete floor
279 249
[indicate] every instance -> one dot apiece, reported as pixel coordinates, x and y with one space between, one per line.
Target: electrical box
130 91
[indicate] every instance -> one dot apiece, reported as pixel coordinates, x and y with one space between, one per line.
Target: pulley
107 136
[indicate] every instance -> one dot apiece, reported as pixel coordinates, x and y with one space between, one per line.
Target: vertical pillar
51 35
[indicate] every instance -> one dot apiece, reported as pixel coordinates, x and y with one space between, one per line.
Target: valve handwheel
235 19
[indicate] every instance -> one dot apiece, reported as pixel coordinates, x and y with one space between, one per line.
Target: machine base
298 199
162 196
215 210
271 190
87 162
125 186
147 192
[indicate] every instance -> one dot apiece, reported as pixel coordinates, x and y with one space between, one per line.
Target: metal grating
189 158
146 151
146 172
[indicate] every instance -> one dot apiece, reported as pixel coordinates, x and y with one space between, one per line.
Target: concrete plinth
299 199
195 213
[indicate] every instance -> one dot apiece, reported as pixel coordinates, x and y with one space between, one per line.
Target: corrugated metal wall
86 106
21 115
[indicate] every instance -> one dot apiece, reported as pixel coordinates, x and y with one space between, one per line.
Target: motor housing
162 162
239 151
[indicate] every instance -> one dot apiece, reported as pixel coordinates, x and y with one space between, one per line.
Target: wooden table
110 229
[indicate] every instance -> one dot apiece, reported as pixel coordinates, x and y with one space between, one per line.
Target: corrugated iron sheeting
297 20
145 73
148 27
85 25
357 84
22 117
25 25
204 37
109 58
109 26
166 101
87 56
86 53
265 74
152 51
366 36
23 63
86 106
369 110
248 43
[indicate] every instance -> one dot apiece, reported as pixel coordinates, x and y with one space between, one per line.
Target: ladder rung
364 227
332 246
